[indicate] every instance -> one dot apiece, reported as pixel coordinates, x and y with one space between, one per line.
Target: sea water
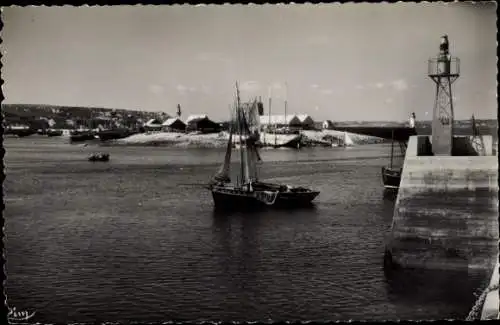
136 239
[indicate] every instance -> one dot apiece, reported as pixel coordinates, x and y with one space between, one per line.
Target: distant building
195 117
412 120
327 124
201 123
280 121
153 125
174 124
306 121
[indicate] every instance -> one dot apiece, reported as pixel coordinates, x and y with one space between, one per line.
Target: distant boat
114 134
99 157
347 141
80 136
54 133
391 176
20 131
249 192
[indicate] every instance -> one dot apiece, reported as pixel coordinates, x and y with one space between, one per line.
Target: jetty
446 211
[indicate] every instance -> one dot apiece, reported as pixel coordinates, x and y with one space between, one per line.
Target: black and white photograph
250 162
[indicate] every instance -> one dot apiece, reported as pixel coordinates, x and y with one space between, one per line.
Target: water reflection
420 287
248 240
390 194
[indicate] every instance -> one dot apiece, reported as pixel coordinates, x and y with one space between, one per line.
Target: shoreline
219 140
306 138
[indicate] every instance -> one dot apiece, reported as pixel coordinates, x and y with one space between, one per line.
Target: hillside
32 114
53 111
36 116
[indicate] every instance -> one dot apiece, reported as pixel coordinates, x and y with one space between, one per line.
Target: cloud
361 87
314 86
211 57
206 89
155 89
277 85
378 85
389 100
183 90
326 91
250 86
400 84
319 40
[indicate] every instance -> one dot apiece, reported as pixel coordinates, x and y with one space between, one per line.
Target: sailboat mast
286 100
269 111
245 152
240 130
392 147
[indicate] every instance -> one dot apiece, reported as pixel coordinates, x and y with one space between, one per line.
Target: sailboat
347 142
249 192
391 176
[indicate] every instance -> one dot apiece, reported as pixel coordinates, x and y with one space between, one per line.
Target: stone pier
446 212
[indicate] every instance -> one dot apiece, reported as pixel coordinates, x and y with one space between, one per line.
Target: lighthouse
444 70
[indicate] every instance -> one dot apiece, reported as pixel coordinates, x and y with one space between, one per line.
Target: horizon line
149 111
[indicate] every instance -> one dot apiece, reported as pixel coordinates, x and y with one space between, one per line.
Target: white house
280 121
153 125
412 120
196 117
173 124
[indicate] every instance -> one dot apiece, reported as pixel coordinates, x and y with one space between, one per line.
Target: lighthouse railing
443 67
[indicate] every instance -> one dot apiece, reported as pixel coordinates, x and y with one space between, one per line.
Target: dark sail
249 192
223 175
251 130
261 108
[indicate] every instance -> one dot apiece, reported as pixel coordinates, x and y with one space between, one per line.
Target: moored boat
391 175
80 136
20 131
99 156
249 192
114 134
54 133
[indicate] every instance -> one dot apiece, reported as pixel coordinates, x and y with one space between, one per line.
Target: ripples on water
134 239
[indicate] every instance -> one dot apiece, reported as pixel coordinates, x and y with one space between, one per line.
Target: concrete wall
446 213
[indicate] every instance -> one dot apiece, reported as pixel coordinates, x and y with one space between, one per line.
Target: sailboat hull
391 177
235 199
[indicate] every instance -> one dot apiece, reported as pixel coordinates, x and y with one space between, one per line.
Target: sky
333 61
